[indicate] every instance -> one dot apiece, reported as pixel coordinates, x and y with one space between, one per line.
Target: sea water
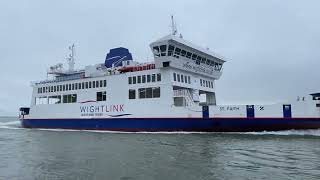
70 154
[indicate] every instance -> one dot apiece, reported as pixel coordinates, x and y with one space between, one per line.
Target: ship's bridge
175 52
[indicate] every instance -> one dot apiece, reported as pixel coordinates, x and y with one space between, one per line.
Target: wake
308 132
10 125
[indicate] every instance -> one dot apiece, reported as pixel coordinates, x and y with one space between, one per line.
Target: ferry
174 92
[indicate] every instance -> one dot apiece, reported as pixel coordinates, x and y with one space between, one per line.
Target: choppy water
59 154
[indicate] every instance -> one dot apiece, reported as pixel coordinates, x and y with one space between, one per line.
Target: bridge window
174 77
156 51
189 80
178 77
104 83
132 93
208 62
198 60
87 85
163 49
93 84
90 84
194 56
211 63
170 50
182 79
183 53
185 79
189 55
54 99
158 77
177 51
97 84
102 96
139 79
200 82
203 60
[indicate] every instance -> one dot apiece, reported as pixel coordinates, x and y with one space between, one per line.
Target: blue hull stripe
177 124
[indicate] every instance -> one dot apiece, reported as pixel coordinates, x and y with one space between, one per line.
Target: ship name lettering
230 108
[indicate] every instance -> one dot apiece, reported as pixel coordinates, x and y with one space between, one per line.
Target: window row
68 98
181 78
144 78
152 92
176 52
73 86
205 83
58 99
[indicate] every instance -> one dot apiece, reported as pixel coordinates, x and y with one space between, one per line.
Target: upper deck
169 52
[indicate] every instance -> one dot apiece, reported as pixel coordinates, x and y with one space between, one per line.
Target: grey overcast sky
272 47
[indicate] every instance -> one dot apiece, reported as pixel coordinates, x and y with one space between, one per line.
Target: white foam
122 132
9 123
310 132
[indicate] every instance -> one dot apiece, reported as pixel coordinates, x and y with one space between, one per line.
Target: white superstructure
179 81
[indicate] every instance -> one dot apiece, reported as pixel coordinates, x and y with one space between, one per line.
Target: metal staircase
184 93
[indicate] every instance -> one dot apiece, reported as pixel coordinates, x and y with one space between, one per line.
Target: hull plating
176 124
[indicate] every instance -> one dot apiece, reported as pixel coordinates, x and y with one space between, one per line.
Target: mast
173 26
71 60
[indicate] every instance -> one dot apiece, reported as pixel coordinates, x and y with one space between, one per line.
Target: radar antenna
173 26
71 60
